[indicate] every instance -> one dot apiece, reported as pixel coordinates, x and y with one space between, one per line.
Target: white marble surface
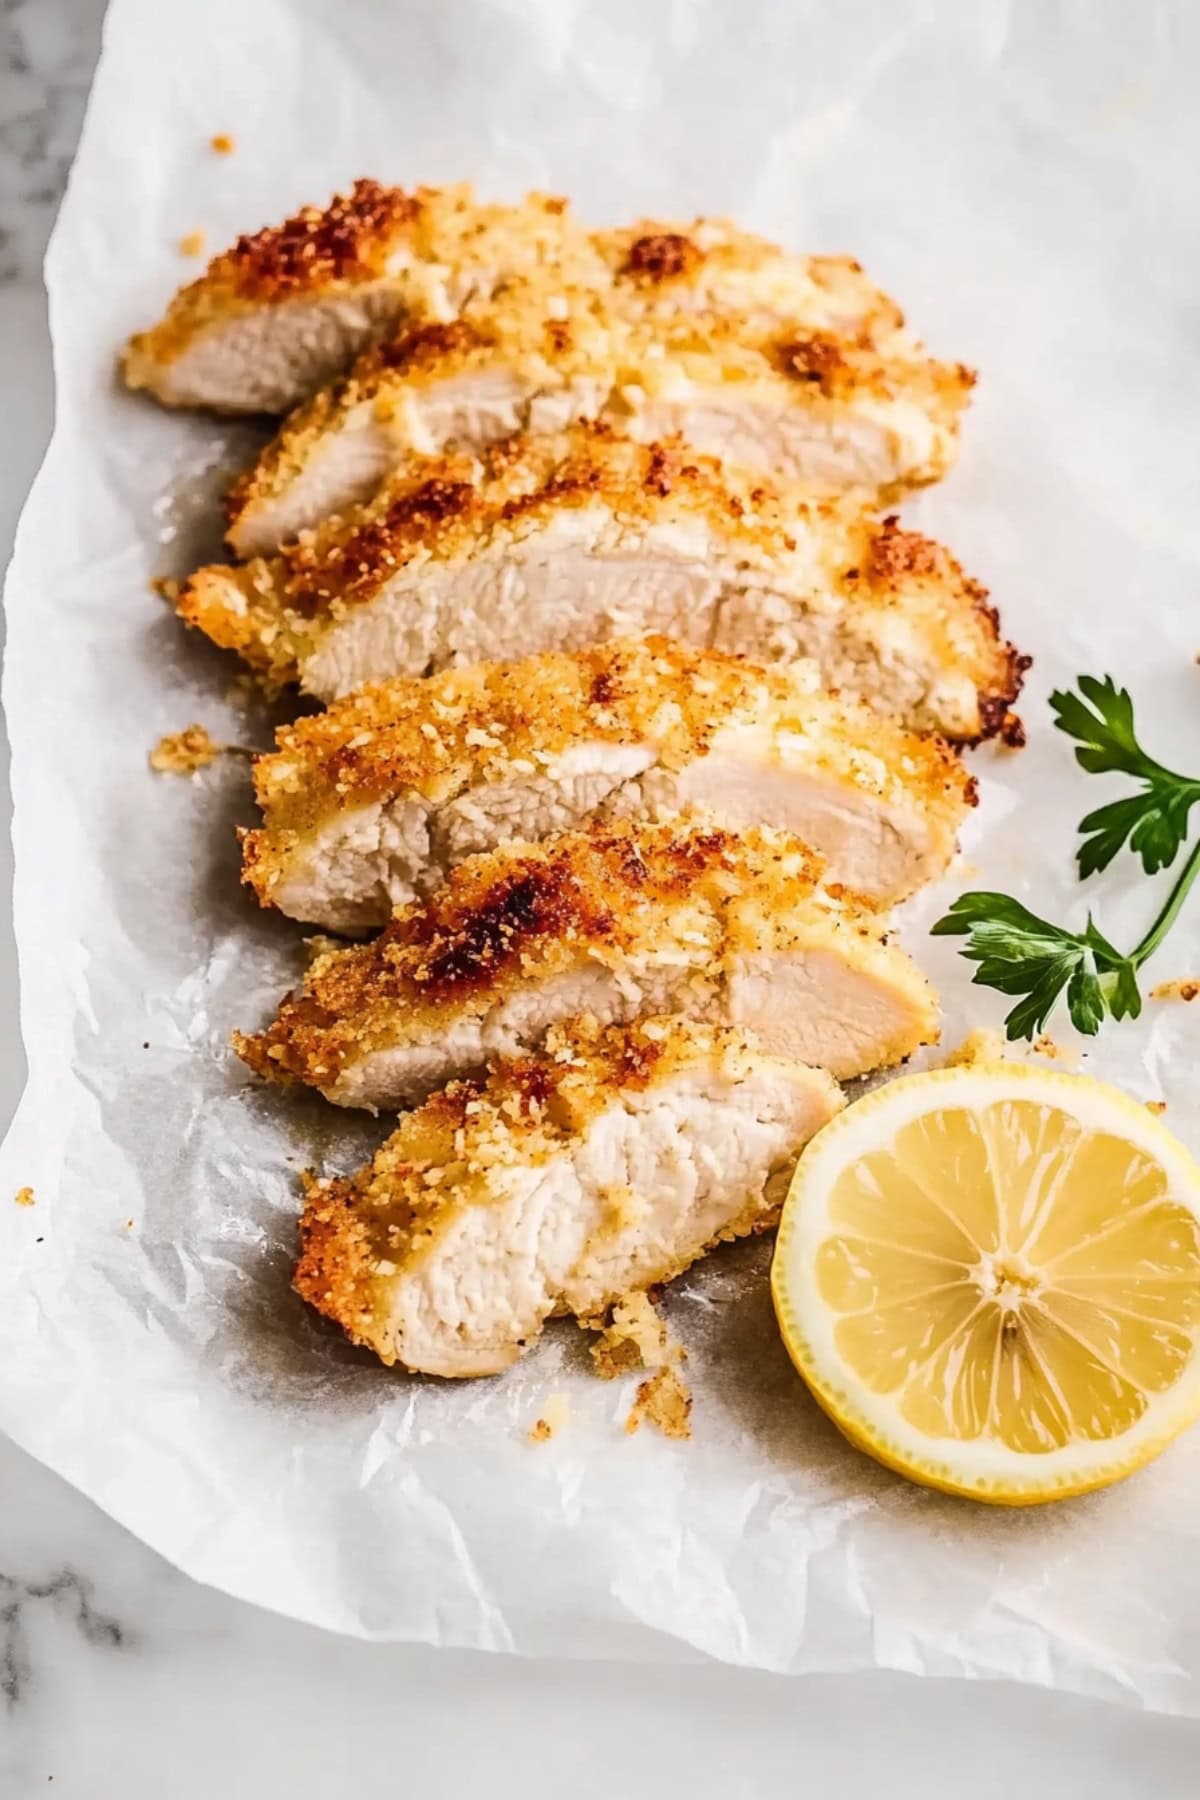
120 1677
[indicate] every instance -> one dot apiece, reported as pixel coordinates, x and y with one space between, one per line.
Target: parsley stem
1170 911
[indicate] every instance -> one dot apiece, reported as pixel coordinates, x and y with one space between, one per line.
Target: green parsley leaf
1017 953
1153 821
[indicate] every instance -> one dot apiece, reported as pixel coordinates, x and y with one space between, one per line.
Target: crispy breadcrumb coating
686 896
829 558
496 726
436 247
371 1241
629 363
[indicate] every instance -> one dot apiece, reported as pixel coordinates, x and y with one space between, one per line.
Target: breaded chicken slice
560 542
831 410
622 921
560 1184
367 806
285 310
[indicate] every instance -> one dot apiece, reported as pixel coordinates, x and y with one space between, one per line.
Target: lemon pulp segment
991 1279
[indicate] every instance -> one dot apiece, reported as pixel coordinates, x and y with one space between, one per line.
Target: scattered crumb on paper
223 143
1156 1106
183 752
192 243
637 1338
24 1197
551 1420
1186 989
664 1400
978 1046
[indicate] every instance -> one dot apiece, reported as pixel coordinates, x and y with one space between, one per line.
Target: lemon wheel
990 1279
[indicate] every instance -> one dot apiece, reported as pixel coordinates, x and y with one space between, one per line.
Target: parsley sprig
1018 953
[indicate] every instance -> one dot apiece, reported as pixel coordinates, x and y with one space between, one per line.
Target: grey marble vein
68 1592
47 53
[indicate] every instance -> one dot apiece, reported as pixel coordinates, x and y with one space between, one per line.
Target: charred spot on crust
638 1059
321 244
603 690
352 569
662 256
427 344
996 719
526 905
896 553
534 1083
435 501
817 359
662 471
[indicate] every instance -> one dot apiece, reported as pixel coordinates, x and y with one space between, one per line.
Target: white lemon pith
990 1279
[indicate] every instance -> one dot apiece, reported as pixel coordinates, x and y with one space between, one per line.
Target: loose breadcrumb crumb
129 1224
192 243
664 1401
1046 1046
184 752
1156 1106
1176 990
637 1338
24 1197
551 1421
978 1046
223 143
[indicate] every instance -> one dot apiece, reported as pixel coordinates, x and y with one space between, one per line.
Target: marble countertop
118 1676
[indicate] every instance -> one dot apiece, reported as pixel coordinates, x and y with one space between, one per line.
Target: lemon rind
863 1418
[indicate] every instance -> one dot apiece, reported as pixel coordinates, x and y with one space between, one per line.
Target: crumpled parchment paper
1019 175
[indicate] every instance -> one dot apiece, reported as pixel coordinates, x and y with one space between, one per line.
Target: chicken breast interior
615 923
560 1183
558 543
284 310
369 805
833 412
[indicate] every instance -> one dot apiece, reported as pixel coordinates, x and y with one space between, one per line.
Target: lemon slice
990 1279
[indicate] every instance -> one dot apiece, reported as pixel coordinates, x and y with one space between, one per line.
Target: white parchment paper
1019 175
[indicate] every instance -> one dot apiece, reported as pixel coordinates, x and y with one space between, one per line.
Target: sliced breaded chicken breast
833 411
622 921
367 806
285 310
561 1184
557 543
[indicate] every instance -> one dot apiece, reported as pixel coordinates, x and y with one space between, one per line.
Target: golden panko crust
450 508
357 1234
376 233
441 735
629 356
361 237
530 910
274 611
